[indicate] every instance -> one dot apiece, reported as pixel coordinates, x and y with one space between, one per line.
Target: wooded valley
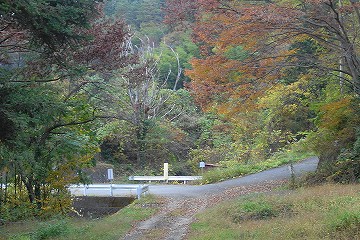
136 83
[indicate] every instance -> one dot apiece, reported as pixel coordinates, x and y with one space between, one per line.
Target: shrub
235 170
345 220
346 168
15 210
50 230
259 209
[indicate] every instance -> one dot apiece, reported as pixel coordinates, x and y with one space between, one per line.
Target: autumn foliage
268 33
251 50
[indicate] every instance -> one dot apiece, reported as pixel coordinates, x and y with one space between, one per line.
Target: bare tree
139 95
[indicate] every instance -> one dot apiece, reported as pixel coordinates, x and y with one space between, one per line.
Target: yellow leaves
301 38
290 108
61 177
178 135
337 114
281 91
57 202
65 173
233 81
293 3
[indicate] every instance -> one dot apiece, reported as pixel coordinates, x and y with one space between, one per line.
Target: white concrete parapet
108 189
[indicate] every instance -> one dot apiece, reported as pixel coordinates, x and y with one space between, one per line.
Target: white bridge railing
163 178
108 189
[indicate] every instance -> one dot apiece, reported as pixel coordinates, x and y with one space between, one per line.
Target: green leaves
236 53
51 23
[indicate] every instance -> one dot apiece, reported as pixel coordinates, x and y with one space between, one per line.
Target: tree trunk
1 190
38 195
29 187
34 191
6 187
140 144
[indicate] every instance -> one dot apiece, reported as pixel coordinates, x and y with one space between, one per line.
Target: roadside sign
110 174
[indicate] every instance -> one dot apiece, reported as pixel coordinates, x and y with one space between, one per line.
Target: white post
84 190
166 171
138 191
111 190
110 174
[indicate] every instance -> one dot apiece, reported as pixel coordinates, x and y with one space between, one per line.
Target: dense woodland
137 83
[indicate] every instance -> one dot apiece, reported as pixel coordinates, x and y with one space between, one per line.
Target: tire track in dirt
182 203
173 219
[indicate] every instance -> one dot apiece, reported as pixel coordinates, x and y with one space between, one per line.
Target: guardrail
110 188
163 178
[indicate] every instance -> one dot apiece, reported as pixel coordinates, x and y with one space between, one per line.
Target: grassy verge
237 170
107 228
322 212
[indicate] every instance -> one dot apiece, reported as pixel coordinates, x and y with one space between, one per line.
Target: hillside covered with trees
137 83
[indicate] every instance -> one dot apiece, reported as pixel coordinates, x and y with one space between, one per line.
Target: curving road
279 173
195 191
182 202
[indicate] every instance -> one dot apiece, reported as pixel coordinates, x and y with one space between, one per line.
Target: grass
236 170
107 228
321 212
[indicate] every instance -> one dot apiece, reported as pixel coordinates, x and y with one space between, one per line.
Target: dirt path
181 203
176 214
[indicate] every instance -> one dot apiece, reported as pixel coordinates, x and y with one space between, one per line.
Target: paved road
177 191
183 202
280 173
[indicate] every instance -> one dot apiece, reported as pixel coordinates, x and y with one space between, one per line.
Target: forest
136 83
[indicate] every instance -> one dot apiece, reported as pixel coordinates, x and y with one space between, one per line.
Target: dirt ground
173 219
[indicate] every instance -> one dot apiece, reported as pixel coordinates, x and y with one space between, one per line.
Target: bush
346 168
15 210
17 207
259 209
345 220
50 230
236 170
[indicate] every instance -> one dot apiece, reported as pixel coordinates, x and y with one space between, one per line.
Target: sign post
202 166
166 171
110 175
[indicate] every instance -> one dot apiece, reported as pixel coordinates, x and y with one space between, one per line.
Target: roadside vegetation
329 211
108 228
232 169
